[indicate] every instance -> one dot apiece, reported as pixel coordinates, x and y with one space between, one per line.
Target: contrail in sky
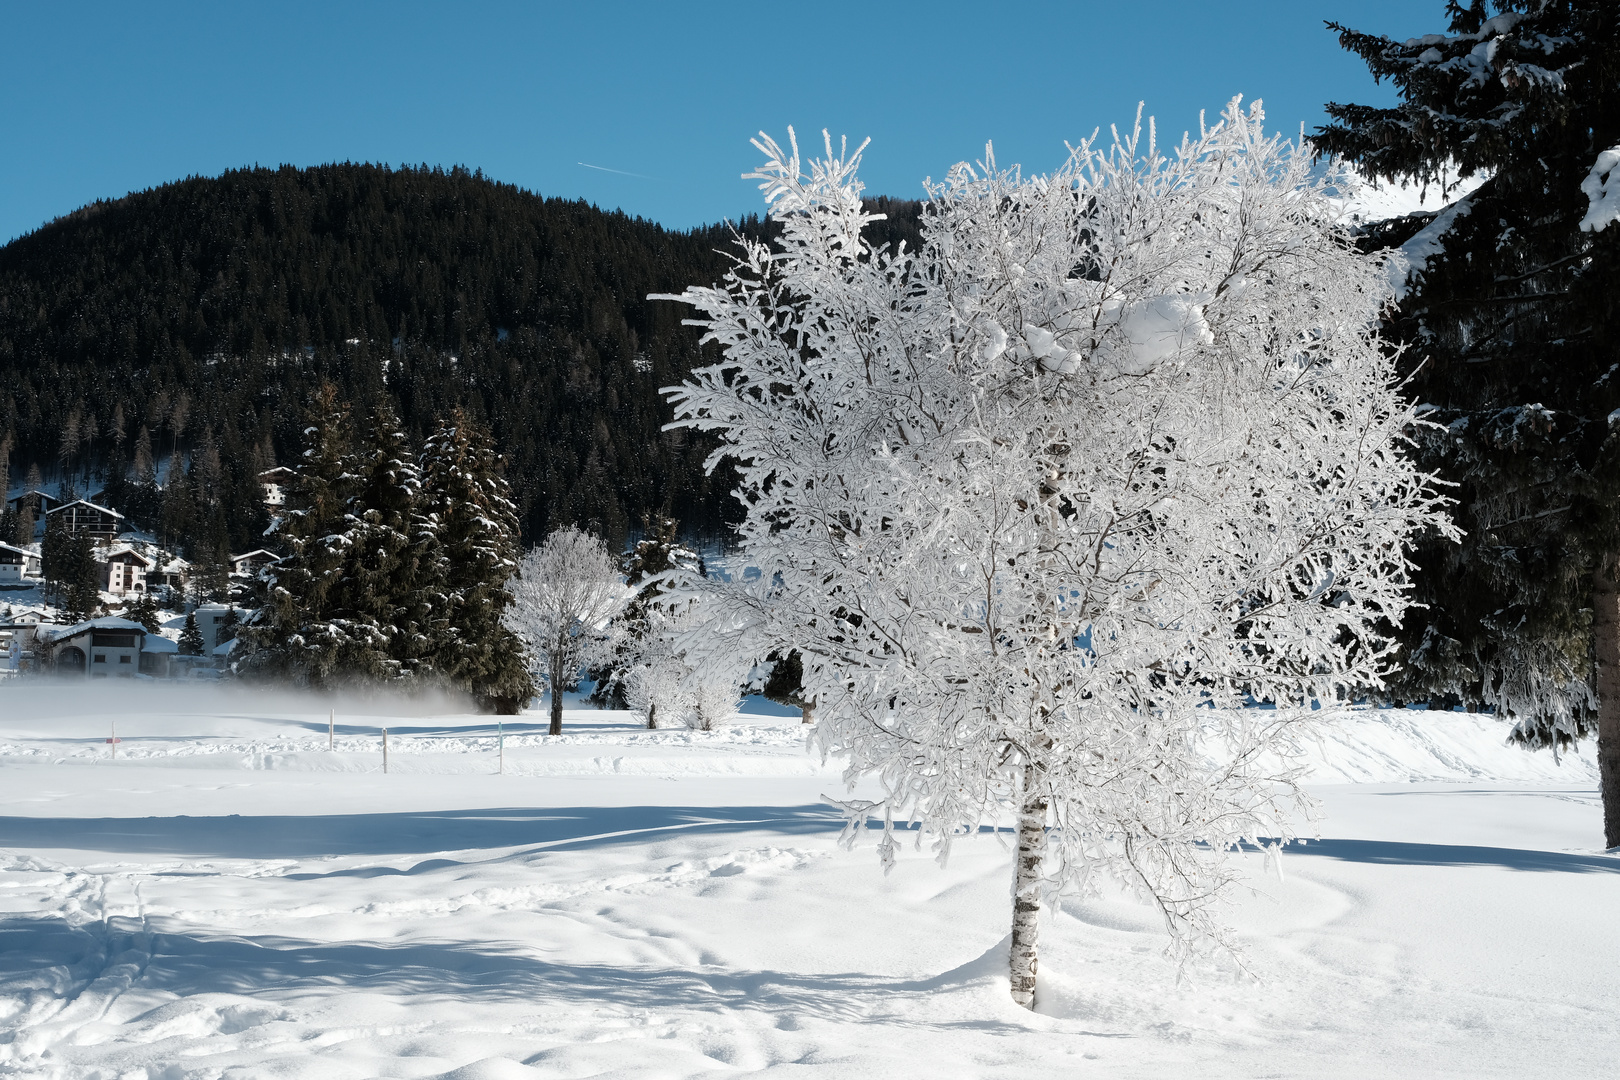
621 172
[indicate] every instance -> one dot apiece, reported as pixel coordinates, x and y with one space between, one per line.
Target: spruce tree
191 639
1511 346
296 632
467 498
81 580
145 611
68 561
389 591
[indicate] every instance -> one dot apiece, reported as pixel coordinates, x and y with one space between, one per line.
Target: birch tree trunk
556 694
1606 643
1027 891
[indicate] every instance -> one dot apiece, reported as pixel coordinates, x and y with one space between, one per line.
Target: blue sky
100 100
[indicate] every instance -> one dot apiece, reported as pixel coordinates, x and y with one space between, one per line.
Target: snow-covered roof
157 643
277 471
224 648
34 491
108 623
18 550
255 551
86 502
125 549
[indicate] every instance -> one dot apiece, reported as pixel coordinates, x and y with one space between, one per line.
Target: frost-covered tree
715 686
566 593
467 498
653 672
1043 505
1510 322
647 568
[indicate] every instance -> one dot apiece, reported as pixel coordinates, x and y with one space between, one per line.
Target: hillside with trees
165 345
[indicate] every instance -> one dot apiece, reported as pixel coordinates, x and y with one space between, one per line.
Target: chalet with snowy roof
82 516
19 567
43 503
274 482
123 571
98 649
171 572
250 564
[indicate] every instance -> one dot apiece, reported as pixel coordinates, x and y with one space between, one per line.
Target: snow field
230 899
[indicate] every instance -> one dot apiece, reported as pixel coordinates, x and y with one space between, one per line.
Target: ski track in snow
231 899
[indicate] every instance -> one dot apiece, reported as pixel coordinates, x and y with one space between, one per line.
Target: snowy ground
231 899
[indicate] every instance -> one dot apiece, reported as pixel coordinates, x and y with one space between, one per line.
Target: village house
170 575
107 648
82 516
250 564
18 629
124 571
99 649
19 567
274 482
217 623
43 503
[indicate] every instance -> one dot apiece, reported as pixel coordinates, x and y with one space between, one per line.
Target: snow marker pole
500 743
331 729
385 751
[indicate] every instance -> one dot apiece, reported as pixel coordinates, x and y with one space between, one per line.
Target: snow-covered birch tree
1045 504
566 592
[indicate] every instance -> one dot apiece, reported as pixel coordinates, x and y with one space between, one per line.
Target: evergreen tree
295 631
191 639
28 514
68 561
211 566
467 498
8 519
1511 335
145 611
390 588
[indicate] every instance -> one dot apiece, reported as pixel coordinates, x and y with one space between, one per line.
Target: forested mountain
200 318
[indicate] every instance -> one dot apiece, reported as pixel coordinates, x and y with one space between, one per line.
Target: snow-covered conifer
145 611
191 639
566 593
467 498
1043 505
1510 321
292 634
390 587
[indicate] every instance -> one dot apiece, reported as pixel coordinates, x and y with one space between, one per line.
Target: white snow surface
229 898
